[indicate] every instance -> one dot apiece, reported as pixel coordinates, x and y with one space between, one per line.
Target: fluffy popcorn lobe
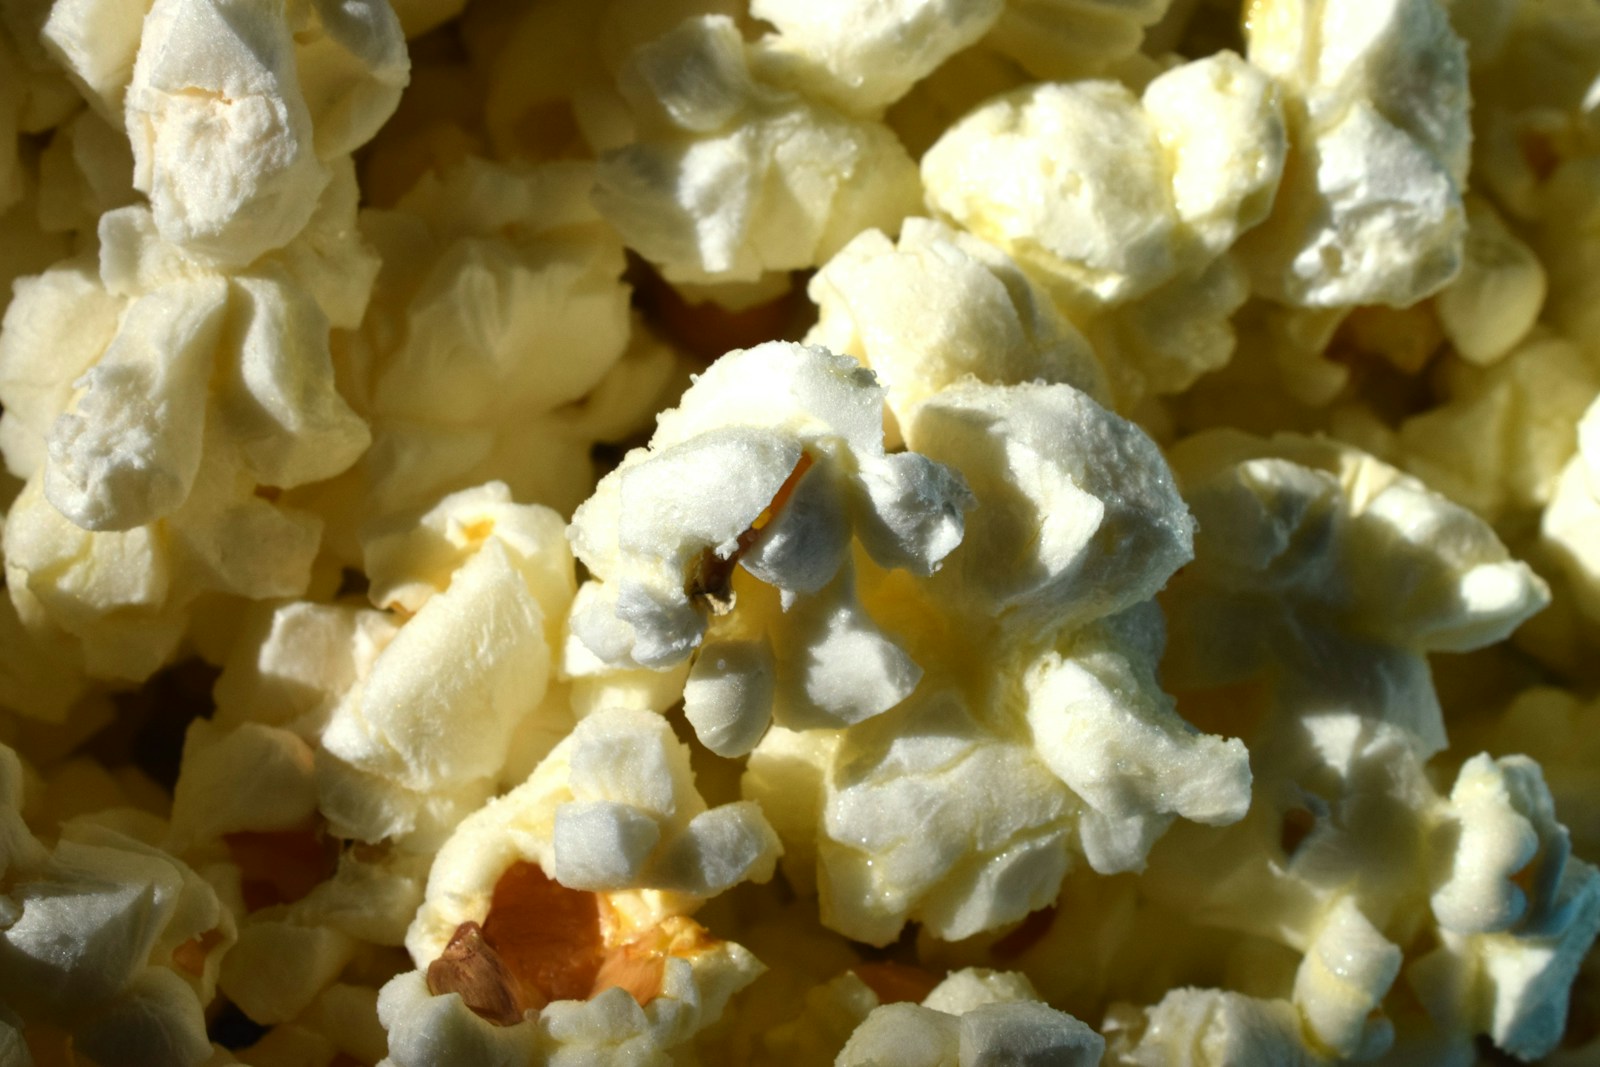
773 463
799 533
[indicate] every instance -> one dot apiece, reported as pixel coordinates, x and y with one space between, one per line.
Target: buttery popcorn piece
773 464
972 1019
864 58
1371 212
698 192
1110 198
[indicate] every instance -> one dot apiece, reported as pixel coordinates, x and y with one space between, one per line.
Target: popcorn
1515 915
1371 212
909 584
1342 982
1519 414
488 583
1569 522
972 1019
1062 40
620 966
1337 544
663 532
110 939
220 112
1129 218
504 281
695 193
864 59
113 465
907 820
1209 1028
992 322
612 808
1493 302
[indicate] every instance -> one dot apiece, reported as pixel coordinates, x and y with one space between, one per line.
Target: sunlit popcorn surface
890 534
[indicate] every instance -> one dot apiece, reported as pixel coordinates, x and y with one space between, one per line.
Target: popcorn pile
886 534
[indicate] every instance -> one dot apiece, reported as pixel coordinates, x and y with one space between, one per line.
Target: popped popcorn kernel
860 532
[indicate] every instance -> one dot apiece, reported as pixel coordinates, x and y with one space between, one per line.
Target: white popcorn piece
1372 213
1510 851
773 463
1493 302
499 328
590 959
937 307
1102 725
116 943
696 191
1321 538
1210 1028
1339 988
972 1019
233 110
222 137
1077 502
1065 40
127 451
479 647
864 59
1127 215
1516 914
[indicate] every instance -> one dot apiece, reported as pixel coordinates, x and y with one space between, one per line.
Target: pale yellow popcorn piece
773 463
940 306
1570 525
1209 1028
97 42
865 58
1340 986
1499 442
1372 212
85 171
1132 236
499 328
696 192
1150 191
509 585
1509 950
971 1019
1390 570
1063 40
1493 302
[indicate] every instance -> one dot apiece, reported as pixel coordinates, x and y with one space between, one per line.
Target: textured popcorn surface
871 533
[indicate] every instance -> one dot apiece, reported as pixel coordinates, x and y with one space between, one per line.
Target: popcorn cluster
885 534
